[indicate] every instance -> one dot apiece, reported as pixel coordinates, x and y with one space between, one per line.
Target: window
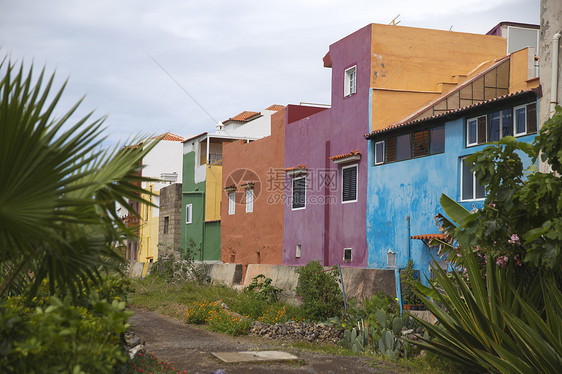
166 224
470 187
517 121
298 251
299 193
350 81
349 184
347 255
231 203
390 259
249 200
403 148
379 152
525 118
421 143
437 141
188 214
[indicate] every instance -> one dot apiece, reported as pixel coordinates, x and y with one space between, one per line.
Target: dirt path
189 348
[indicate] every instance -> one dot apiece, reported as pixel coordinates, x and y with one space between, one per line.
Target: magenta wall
326 226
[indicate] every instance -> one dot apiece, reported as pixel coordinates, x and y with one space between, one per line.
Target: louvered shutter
349 191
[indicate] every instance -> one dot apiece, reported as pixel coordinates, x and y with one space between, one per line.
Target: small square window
379 152
390 259
350 81
166 224
476 131
188 213
347 255
298 251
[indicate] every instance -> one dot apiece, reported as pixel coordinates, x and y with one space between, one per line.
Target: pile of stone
312 332
134 344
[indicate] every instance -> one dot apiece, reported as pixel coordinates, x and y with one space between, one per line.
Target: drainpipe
398 290
554 75
408 238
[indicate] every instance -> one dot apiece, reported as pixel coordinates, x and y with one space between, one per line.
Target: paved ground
189 348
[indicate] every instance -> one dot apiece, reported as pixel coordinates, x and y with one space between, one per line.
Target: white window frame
298 251
350 81
475 119
292 193
524 106
350 255
231 203
188 214
474 198
249 200
378 162
356 184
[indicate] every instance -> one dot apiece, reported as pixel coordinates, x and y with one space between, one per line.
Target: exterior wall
192 193
213 193
409 63
257 128
413 188
551 23
170 206
326 226
148 235
256 237
522 70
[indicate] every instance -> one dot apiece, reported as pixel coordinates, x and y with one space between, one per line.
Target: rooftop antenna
393 22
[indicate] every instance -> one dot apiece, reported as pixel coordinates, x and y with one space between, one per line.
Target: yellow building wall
213 193
522 71
408 64
148 233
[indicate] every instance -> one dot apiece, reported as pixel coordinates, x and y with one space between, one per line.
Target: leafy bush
262 289
61 338
319 291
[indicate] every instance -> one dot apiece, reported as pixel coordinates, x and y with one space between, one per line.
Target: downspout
408 238
554 74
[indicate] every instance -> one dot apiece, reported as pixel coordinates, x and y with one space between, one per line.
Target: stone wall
169 228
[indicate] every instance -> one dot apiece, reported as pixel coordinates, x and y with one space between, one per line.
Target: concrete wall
255 237
551 23
409 63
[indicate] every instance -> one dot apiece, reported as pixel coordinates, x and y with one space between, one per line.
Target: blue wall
413 188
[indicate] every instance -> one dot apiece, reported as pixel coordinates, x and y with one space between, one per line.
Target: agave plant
58 188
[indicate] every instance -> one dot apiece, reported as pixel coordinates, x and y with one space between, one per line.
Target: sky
182 66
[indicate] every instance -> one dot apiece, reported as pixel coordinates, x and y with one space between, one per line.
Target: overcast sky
230 56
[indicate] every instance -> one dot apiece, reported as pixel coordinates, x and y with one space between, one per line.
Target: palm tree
58 189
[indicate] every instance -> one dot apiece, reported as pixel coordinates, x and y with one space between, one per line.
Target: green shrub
319 291
61 338
262 289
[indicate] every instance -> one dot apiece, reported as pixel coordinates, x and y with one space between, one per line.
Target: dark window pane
532 118
494 127
471 131
379 152
349 192
421 143
520 118
437 140
480 190
482 130
507 125
391 149
467 181
403 148
299 194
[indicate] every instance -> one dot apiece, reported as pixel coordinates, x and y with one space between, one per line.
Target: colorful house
252 220
415 160
380 74
202 180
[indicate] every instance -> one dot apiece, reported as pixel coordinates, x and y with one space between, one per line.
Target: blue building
413 162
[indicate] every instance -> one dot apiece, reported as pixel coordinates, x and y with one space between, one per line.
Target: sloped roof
170 136
245 116
276 107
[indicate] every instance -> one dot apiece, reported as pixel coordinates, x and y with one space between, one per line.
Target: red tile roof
429 236
295 168
170 136
536 91
346 155
276 107
245 116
